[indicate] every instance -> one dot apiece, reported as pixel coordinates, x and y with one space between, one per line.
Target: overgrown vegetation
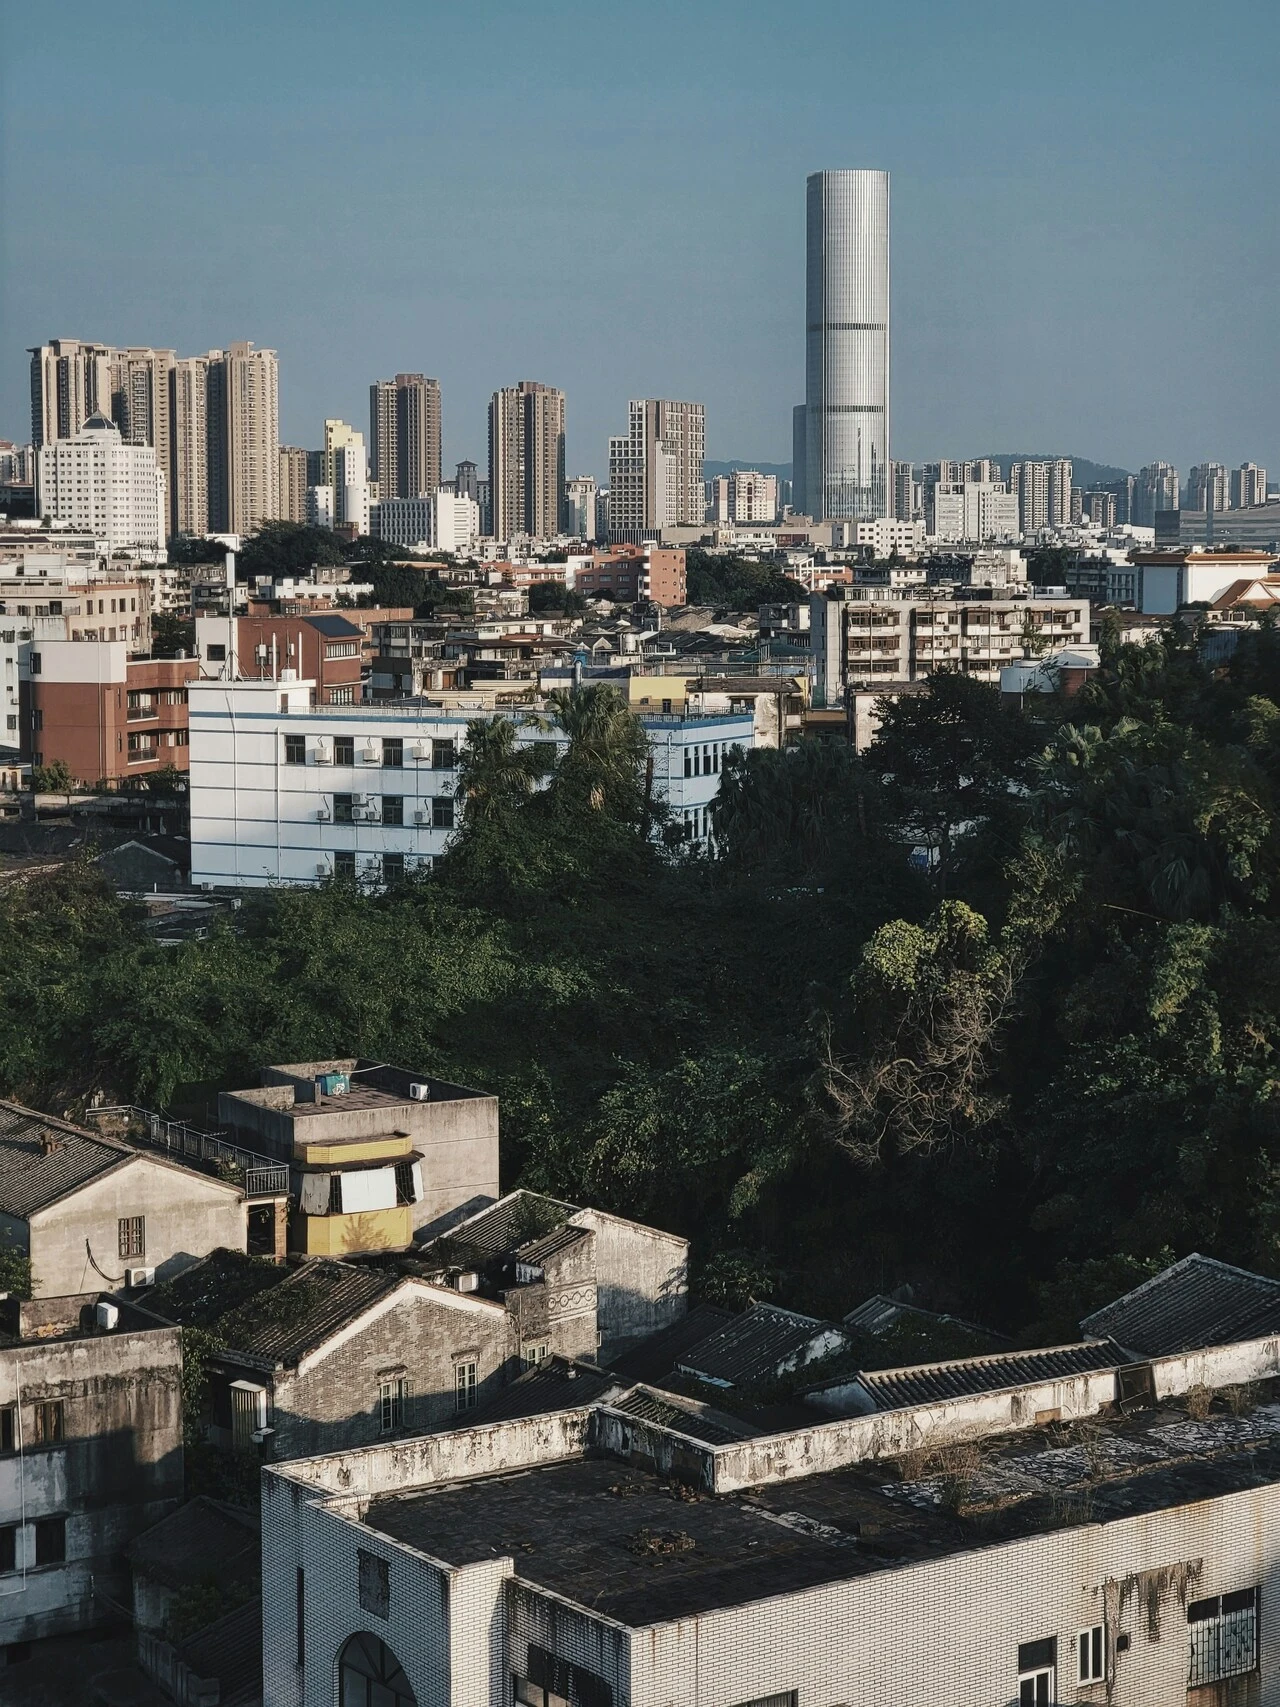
731 583
995 1013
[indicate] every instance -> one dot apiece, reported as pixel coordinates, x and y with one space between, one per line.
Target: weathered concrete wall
117 1471
559 1311
187 1215
642 1279
427 1460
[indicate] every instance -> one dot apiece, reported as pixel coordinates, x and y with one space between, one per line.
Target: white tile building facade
283 791
98 483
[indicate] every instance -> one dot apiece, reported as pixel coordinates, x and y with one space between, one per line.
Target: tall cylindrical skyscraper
847 346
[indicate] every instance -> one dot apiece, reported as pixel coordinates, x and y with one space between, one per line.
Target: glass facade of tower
847 466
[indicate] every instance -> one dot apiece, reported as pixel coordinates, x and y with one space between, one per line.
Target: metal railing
260 1176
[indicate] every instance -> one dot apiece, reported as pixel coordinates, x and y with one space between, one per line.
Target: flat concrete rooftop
641 1549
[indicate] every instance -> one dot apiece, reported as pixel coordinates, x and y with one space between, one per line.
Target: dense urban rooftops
43 1159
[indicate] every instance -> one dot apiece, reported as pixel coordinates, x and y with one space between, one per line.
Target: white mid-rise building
441 521
886 536
96 482
973 512
284 791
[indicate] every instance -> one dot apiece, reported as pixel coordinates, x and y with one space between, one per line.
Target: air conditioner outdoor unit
323 815
421 817
421 750
324 756
418 1092
106 1314
139 1277
322 870
359 799
371 753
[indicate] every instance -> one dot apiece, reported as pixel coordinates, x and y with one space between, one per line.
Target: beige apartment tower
244 439
404 435
189 446
526 460
293 483
656 470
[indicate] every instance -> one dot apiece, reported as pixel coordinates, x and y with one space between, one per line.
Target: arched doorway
369 1675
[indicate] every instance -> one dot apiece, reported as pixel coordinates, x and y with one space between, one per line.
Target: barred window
1223 1634
393 1399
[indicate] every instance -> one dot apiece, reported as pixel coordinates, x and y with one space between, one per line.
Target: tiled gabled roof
751 1348
42 1159
1197 1302
962 1378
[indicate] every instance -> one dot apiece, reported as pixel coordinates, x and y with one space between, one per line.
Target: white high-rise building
846 441
580 503
975 512
1248 486
655 470
1208 487
346 469
97 484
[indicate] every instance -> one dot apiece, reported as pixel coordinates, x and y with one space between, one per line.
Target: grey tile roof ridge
1194 1259
986 1358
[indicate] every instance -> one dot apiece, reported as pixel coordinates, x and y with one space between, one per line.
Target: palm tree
607 750
495 775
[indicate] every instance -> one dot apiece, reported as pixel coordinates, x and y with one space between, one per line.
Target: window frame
444 814
48 1423
1091 1654
344 750
1224 1620
393 804
465 1385
295 749
47 1529
344 862
9 1533
393 1403
131 1236
392 753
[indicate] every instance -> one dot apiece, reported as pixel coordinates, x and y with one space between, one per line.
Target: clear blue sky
610 198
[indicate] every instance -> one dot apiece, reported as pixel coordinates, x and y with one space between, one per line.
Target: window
344 864
9 1429
342 696
35 663
132 1236
393 809
442 812
295 749
1091 1655
1037 1663
51 1540
444 755
393 1399
46 1422
393 868
343 809
216 654
464 1386
688 762
375 1584
393 753
344 749
340 649
533 1355
552 1681
8 1548
1224 1637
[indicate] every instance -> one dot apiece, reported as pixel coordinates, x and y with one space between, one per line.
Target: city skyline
1043 297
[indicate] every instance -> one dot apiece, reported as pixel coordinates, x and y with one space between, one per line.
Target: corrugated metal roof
929 1383
1196 1302
657 1355
30 1179
750 1348
335 627
713 1428
201 1539
512 1221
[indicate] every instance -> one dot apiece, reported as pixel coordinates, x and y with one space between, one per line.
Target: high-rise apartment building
293 483
580 505
1061 512
1101 507
656 470
466 481
526 460
346 470
189 446
404 435
846 460
97 484
1157 489
906 492
1208 487
242 386
1043 490
744 497
70 381
1248 486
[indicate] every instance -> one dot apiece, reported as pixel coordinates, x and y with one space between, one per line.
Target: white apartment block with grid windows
284 791
645 1549
98 483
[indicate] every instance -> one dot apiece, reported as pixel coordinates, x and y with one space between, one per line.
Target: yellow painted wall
340 1235
654 689
386 1147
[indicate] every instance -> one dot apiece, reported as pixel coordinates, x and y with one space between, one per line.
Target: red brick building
326 647
629 573
106 716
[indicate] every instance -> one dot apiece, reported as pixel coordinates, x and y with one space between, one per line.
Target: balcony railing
213 1152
